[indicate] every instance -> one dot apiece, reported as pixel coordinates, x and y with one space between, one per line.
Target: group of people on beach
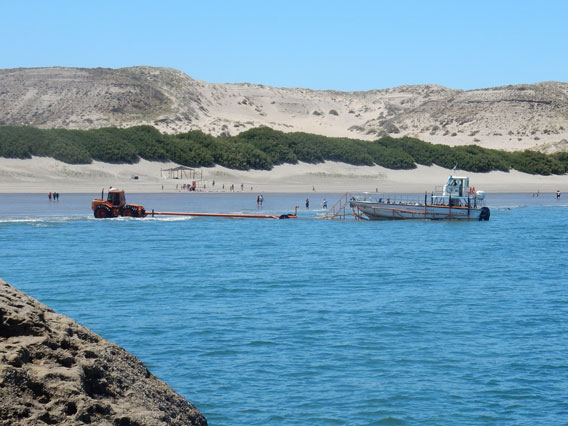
187 186
259 200
53 196
213 186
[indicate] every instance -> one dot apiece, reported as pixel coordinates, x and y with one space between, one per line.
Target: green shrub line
262 148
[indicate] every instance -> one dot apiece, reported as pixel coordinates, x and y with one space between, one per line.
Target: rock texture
509 117
55 371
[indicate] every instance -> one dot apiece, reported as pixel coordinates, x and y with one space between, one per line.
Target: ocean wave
42 220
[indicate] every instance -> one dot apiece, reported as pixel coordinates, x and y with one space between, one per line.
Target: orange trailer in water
115 205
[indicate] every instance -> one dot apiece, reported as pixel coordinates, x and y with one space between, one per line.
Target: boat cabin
456 192
456 186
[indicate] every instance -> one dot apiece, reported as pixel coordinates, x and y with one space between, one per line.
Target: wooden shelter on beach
181 172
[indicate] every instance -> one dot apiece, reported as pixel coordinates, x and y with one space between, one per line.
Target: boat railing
390 198
432 198
469 200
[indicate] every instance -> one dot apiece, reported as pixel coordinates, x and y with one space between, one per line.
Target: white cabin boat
456 200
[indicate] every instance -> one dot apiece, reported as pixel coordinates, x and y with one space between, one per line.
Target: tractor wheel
130 211
102 212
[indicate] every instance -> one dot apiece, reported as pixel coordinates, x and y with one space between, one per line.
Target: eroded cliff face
509 117
55 371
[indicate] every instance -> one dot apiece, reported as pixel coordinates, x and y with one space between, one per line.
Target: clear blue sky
342 45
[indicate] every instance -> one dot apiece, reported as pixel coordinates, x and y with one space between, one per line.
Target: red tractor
115 206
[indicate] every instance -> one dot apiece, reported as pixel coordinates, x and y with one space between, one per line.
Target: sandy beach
39 175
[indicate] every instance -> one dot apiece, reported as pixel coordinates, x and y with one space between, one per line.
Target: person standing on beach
307 203
558 194
49 196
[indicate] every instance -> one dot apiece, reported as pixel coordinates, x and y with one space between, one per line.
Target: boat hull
387 211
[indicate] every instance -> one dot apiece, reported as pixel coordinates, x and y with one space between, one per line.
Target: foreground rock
55 371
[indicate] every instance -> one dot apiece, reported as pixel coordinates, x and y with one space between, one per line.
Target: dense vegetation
261 148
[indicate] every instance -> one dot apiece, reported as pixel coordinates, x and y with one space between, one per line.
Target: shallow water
315 322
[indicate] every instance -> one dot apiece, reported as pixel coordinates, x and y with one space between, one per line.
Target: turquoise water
315 322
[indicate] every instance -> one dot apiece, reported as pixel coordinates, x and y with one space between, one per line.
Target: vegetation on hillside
261 148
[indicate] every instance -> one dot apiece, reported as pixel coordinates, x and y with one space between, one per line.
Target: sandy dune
512 118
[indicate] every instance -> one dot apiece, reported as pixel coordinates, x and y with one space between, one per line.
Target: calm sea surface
313 322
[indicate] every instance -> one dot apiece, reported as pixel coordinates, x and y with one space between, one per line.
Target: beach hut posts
181 172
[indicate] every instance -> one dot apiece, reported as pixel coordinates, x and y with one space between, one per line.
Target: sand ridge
43 175
513 117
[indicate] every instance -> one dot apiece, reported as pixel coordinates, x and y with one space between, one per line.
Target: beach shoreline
44 175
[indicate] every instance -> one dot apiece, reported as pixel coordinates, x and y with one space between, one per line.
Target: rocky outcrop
509 117
55 371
